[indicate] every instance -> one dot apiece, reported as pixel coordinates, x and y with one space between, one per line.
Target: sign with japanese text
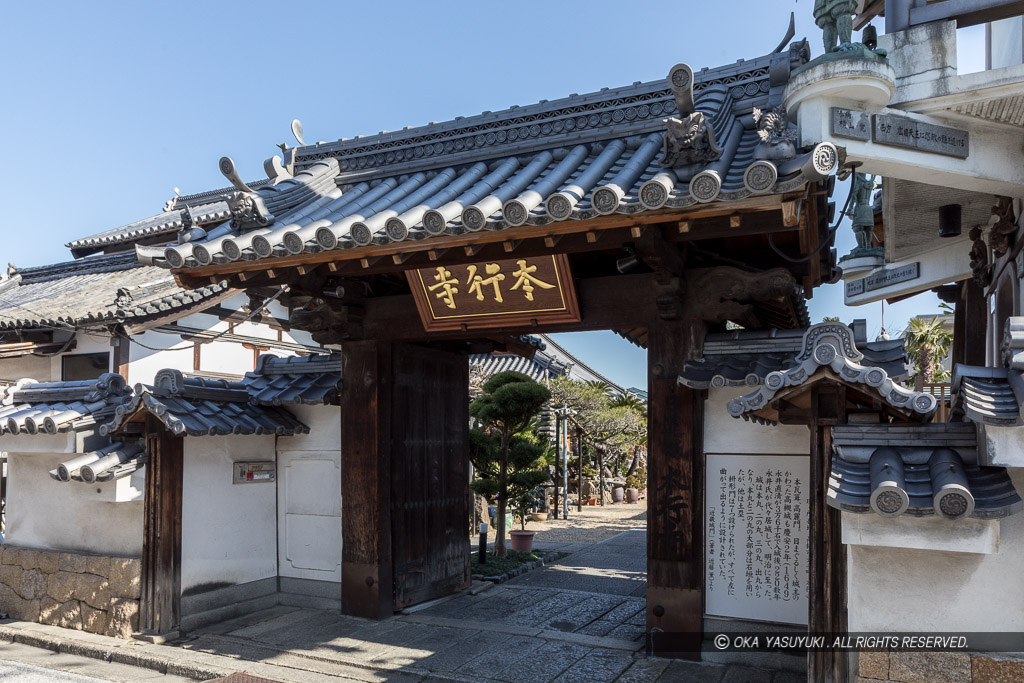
899 130
494 294
756 537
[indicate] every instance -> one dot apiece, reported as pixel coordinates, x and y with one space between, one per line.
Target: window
84 366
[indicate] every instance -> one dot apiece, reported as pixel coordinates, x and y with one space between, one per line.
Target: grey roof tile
575 158
30 407
192 406
94 289
308 380
985 395
905 486
745 358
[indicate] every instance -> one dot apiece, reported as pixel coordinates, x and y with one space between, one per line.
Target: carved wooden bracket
329 323
716 295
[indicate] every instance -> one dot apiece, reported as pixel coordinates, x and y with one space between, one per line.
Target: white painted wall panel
228 531
48 514
726 434
904 589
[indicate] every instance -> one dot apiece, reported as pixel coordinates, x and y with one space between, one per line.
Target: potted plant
634 483
509 463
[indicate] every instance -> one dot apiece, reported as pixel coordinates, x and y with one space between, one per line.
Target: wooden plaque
493 294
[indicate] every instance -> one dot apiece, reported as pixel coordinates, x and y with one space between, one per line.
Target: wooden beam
510 245
435 254
791 213
472 249
735 220
551 240
592 236
684 227
622 301
636 231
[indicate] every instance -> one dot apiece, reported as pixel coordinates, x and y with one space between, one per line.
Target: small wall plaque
900 131
884 278
253 472
847 123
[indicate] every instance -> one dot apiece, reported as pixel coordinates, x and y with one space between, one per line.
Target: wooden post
558 458
826 608
579 460
160 608
675 471
366 566
600 477
970 320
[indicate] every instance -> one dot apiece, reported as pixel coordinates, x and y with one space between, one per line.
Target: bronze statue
835 17
863 213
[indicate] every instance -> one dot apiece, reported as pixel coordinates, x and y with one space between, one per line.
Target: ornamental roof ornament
832 346
690 138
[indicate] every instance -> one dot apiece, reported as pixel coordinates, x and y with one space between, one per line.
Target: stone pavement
580 619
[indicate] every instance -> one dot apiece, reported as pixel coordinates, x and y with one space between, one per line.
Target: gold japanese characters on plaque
492 294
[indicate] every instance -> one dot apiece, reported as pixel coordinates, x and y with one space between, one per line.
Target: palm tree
927 344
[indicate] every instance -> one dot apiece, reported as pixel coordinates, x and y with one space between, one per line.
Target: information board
756 522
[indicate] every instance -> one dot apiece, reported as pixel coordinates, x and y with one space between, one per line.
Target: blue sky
111 105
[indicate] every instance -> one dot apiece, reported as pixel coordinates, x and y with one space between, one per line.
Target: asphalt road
26 673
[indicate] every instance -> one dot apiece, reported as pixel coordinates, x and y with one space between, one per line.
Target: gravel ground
590 525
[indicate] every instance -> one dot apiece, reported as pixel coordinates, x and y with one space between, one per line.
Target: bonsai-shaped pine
510 400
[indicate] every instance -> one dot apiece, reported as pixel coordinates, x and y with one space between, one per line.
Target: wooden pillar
827 612
970 320
160 609
366 566
675 477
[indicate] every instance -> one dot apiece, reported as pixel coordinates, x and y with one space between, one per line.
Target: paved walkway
580 619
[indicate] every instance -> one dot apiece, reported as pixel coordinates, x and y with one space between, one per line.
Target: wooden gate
429 474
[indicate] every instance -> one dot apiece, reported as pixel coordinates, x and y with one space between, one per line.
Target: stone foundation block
125 576
123 618
873 665
11 556
71 562
32 585
65 615
94 620
10 575
930 667
92 590
48 562
61 586
996 669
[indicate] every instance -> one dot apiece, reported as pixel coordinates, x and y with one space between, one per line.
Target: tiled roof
986 395
30 407
487 364
294 380
576 158
893 482
113 461
745 358
831 345
203 407
209 208
96 290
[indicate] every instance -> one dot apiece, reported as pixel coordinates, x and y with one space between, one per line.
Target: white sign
756 537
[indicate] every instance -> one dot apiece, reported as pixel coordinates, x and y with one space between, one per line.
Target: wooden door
429 473
160 610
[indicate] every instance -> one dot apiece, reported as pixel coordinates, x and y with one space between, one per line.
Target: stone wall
92 593
932 667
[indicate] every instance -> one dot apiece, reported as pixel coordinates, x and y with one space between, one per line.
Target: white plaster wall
228 531
726 434
309 497
47 514
144 363
901 589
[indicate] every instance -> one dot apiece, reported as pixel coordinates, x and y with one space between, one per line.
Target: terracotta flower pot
592 501
521 540
632 495
539 516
